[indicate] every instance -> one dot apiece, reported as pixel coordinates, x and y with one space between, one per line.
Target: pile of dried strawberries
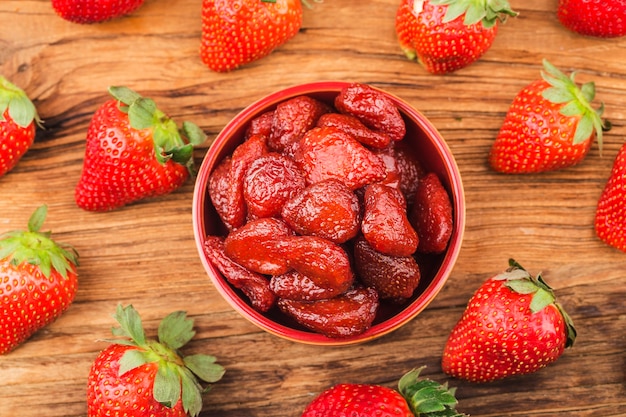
326 208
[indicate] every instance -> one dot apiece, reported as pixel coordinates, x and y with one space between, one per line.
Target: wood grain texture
145 254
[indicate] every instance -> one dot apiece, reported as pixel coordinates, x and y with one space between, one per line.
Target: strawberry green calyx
21 110
170 142
522 282
178 377
486 11
577 102
38 248
426 397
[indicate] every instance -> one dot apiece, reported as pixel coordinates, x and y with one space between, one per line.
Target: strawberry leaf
191 393
124 94
130 360
193 133
175 330
167 388
427 397
204 367
21 109
130 324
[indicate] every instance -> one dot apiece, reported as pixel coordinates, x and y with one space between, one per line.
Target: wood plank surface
145 253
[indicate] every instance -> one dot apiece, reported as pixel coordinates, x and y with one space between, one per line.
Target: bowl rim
411 310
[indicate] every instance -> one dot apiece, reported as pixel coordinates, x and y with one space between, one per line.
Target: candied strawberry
409 168
292 118
394 277
349 314
229 204
354 127
372 108
269 182
431 215
260 125
255 286
327 209
295 286
327 152
256 246
385 224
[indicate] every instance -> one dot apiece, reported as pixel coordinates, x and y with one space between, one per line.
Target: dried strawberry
349 314
327 209
256 246
295 286
354 127
394 277
269 182
329 153
229 204
409 167
260 125
385 224
255 286
431 215
292 118
374 109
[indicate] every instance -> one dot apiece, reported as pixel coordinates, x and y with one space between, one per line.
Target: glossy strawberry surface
94 11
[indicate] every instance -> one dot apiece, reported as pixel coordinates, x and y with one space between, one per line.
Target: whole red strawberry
600 18
139 377
549 126
38 281
18 120
134 151
414 397
512 326
447 35
94 11
610 221
237 33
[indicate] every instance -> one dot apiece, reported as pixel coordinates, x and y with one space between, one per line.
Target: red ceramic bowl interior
434 155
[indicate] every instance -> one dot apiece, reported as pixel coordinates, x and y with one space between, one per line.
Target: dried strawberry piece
354 127
260 125
431 215
257 246
349 314
295 286
410 169
229 204
269 182
373 108
292 118
385 224
255 286
329 153
327 209
394 277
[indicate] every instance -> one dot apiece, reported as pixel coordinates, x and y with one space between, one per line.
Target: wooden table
145 254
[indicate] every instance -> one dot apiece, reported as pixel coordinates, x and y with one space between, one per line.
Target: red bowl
435 156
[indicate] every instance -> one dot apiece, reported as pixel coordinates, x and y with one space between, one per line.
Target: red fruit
373 108
601 18
610 221
348 314
295 286
385 224
292 118
134 151
512 326
257 245
415 397
327 209
329 153
394 277
431 215
354 127
270 181
141 377
447 35
255 286
260 125
237 33
38 281
18 119
93 11
550 125
410 170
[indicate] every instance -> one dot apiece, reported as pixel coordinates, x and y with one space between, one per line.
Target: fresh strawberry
140 377
549 126
38 281
600 18
610 221
18 120
237 33
512 326
94 11
447 35
415 397
134 151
